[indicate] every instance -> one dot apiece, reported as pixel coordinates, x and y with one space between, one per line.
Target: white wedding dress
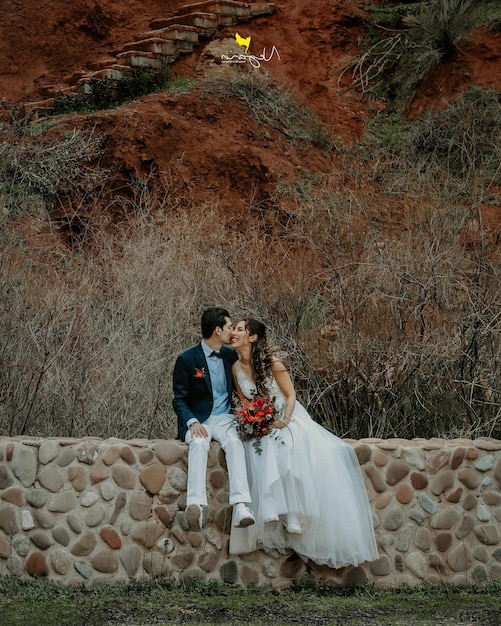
306 471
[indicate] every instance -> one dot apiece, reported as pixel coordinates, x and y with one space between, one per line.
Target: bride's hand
282 423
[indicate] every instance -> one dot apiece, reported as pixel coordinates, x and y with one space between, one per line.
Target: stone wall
94 512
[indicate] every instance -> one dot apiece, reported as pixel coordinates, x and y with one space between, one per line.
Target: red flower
255 420
199 373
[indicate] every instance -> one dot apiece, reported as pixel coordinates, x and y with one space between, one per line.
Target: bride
306 485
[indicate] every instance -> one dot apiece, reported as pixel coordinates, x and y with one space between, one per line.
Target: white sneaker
194 516
243 516
292 524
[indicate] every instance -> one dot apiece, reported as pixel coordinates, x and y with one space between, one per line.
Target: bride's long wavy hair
262 353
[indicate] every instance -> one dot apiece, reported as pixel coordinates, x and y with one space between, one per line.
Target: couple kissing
301 489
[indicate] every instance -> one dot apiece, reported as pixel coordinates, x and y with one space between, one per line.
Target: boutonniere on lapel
199 372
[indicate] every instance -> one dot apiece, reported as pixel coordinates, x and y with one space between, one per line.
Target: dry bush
89 355
385 335
273 105
91 351
88 347
409 342
418 345
36 168
454 153
404 43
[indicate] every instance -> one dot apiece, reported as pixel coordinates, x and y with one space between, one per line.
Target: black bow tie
218 354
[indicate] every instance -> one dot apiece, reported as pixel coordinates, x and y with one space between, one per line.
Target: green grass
160 602
107 93
180 86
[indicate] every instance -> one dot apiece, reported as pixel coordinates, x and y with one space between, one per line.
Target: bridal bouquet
255 419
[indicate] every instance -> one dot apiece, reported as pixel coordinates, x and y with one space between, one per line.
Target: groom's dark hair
211 319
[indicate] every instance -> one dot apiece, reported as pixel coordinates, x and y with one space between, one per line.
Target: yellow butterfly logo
243 42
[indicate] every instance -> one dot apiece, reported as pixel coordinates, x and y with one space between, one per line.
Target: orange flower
255 419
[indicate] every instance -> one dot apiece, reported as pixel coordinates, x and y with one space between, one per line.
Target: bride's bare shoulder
277 365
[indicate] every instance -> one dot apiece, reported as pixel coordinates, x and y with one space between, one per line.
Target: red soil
212 146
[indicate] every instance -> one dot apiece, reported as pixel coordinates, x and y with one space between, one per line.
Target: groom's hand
198 430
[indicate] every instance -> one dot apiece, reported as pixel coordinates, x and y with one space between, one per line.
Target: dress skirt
307 471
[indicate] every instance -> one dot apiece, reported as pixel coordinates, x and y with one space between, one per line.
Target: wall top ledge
483 443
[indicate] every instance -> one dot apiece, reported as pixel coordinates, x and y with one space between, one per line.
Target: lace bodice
249 389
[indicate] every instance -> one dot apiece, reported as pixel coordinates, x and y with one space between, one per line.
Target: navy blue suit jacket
192 387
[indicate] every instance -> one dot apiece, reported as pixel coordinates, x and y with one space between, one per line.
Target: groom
203 386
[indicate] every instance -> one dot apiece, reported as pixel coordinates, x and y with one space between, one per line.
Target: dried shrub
35 168
273 105
453 153
405 334
387 331
403 43
384 336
